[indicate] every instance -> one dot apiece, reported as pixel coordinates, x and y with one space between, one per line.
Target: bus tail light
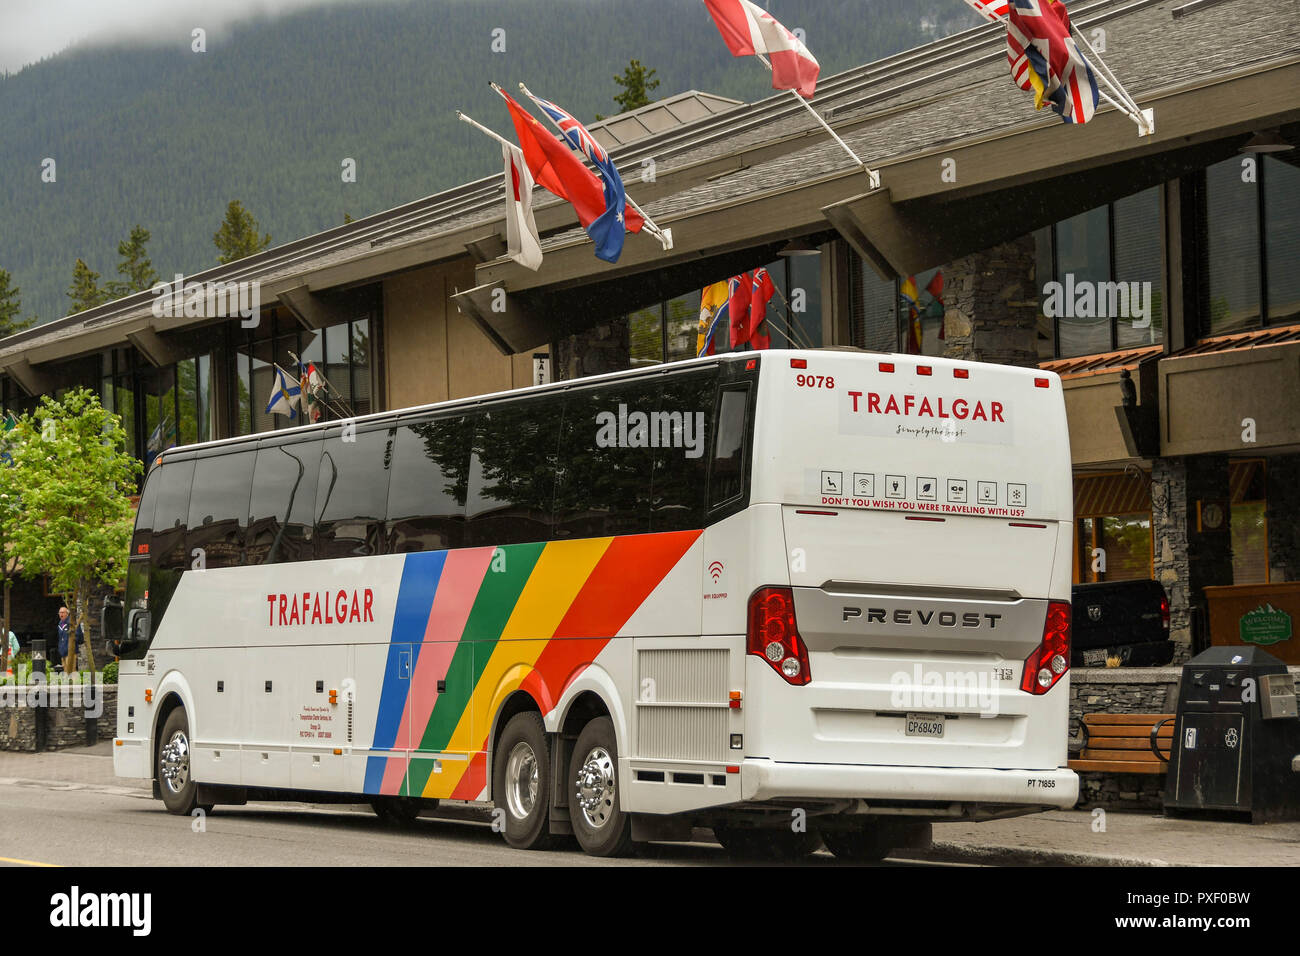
1164 612
774 634
1050 659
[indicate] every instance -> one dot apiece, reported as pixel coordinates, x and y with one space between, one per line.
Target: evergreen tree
638 83
10 306
134 265
237 238
84 292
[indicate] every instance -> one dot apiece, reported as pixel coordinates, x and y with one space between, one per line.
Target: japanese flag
522 243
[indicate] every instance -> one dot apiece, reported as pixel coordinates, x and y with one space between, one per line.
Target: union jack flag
1044 58
577 134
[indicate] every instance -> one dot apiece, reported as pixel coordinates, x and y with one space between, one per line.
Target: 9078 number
815 381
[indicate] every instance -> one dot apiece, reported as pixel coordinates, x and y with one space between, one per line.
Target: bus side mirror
138 625
110 619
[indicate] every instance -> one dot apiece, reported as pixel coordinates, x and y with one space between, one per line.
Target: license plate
1095 658
924 725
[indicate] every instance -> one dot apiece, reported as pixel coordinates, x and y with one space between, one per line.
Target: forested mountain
165 137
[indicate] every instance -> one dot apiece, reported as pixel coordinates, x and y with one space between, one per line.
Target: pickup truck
1124 619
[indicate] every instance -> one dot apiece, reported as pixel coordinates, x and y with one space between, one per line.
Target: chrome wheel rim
522 780
174 762
595 787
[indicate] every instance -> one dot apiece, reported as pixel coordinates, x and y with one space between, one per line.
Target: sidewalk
1058 837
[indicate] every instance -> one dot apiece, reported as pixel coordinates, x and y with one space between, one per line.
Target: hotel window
882 316
1107 265
668 331
1112 527
1248 523
1250 240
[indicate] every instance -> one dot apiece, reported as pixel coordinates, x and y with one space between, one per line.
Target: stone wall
1187 560
992 313
64 708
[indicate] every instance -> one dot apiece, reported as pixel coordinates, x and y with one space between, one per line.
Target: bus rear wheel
599 824
521 782
180 794
397 811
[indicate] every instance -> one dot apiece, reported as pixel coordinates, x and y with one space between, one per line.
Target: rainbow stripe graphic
490 621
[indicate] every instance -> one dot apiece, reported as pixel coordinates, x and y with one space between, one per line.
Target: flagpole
484 130
872 174
807 342
665 236
338 407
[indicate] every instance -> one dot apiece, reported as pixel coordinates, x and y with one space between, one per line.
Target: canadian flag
522 243
749 30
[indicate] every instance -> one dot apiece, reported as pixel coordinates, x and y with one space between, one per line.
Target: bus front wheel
175 775
600 826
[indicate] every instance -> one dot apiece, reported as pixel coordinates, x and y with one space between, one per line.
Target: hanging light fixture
799 247
1269 141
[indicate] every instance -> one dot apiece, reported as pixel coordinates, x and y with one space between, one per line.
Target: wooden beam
29 379
312 312
151 345
507 322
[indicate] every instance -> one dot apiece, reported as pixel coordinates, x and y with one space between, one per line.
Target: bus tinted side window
281 512
219 509
168 557
605 459
171 514
142 538
727 472
352 493
679 484
426 495
512 472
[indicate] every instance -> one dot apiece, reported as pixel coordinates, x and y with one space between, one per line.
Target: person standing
67 645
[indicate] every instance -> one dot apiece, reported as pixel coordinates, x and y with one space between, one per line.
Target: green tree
638 83
72 474
84 292
134 266
9 510
238 236
10 306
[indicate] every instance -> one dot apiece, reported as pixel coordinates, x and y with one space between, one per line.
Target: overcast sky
32 29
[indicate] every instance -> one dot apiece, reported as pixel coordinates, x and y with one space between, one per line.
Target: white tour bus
794 596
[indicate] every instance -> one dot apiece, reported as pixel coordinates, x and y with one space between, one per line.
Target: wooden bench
1125 743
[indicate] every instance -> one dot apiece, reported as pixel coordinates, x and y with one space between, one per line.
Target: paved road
86 824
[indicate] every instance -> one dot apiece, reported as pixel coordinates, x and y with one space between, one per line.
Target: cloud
33 29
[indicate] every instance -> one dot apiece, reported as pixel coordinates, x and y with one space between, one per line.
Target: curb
994 855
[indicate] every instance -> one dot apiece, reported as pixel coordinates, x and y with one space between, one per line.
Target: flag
584 142
522 242
739 292
557 170
1044 58
937 307
713 301
761 291
749 30
907 291
163 435
311 388
992 9
284 396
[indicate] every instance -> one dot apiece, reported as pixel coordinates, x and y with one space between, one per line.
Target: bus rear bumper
773 780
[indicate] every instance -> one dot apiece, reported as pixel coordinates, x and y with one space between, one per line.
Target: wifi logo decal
715 571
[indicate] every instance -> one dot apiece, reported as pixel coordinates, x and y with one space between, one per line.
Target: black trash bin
1236 737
